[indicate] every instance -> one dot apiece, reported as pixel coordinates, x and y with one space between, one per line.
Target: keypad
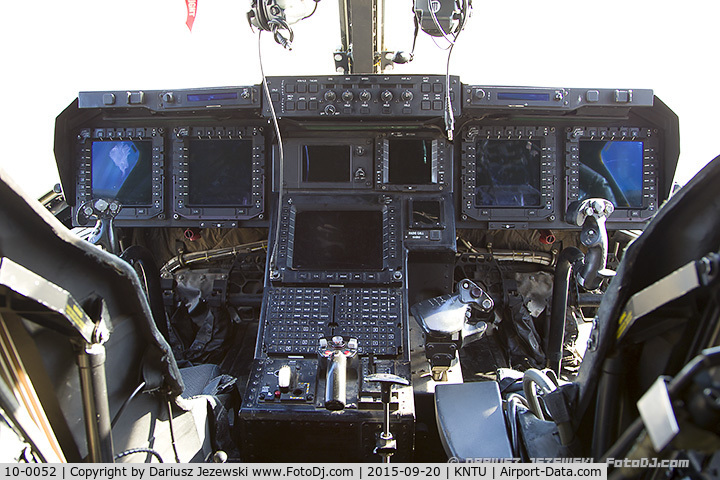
298 317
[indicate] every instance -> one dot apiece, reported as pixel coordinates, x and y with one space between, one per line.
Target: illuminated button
290 88
108 99
437 105
274 96
312 105
301 88
302 105
290 105
313 87
437 87
425 105
592 96
425 88
407 110
435 235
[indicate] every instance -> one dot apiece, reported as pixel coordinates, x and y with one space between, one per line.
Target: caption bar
306 471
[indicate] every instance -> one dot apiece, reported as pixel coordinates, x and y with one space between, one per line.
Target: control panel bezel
352 96
392 271
441 169
468 172
216 216
361 163
83 181
650 138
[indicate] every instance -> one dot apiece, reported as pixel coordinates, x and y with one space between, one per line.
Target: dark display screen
122 171
410 162
207 97
325 163
612 170
220 173
508 173
531 97
426 213
338 240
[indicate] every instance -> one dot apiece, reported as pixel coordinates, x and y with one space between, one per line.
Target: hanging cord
281 166
451 38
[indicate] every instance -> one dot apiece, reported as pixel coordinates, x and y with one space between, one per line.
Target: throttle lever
336 352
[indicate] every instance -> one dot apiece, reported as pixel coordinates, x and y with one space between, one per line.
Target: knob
330 96
386 96
365 96
407 95
479 93
168 97
329 109
347 96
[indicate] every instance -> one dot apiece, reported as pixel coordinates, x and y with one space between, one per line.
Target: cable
126 403
533 377
281 166
172 432
139 450
451 38
313 12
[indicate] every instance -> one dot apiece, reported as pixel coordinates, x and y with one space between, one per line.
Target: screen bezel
578 134
391 240
441 164
361 162
84 187
474 133
206 215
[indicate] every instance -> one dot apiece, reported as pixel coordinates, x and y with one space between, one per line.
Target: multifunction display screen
508 173
410 162
122 170
612 170
326 163
338 240
220 173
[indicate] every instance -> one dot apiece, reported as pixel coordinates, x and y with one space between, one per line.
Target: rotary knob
386 96
365 96
329 109
407 95
347 96
330 96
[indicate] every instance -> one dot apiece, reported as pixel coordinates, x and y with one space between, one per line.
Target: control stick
591 214
103 212
386 444
337 352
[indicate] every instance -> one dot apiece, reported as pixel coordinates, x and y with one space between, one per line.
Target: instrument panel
520 156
